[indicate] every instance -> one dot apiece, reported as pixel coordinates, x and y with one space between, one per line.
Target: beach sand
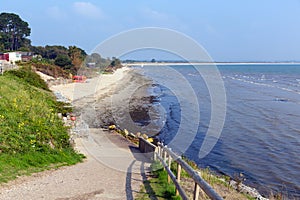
114 168
93 87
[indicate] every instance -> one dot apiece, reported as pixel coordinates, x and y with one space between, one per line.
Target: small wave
190 74
281 99
267 85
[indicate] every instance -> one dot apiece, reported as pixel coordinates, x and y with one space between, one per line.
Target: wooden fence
147 148
166 156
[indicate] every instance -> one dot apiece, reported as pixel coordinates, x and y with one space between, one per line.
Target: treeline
14 33
73 58
70 59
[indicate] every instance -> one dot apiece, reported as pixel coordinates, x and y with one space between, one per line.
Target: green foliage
115 62
28 120
158 187
14 165
70 58
24 49
98 61
32 136
47 67
50 52
13 32
76 52
63 61
28 76
77 57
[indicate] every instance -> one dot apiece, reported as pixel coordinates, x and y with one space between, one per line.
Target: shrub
27 75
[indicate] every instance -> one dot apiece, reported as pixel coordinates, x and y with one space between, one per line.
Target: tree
115 62
95 57
13 32
63 61
51 52
1 43
77 56
99 62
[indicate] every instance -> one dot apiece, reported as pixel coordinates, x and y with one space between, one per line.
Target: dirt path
114 168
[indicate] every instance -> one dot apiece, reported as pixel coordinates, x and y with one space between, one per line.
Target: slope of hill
32 136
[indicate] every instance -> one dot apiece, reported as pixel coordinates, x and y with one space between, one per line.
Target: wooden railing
166 156
147 148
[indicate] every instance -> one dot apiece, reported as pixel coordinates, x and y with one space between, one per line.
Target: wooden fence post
155 153
178 175
196 191
160 151
169 165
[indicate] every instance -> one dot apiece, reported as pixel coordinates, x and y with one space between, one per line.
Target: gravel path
114 169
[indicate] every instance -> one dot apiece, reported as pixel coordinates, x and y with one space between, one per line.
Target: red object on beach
73 118
79 79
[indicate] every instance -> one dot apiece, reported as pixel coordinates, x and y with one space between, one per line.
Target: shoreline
235 184
95 109
124 103
208 63
91 99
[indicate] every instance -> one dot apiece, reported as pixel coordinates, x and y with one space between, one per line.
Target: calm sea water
261 134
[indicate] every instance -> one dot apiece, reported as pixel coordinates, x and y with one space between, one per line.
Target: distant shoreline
208 63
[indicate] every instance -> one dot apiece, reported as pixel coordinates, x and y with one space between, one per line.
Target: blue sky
232 30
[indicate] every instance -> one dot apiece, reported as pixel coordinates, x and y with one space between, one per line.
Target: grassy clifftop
32 137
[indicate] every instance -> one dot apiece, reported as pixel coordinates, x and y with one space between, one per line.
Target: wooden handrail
209 191
173 178
164 155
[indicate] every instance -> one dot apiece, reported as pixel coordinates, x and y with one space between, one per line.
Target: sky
231 30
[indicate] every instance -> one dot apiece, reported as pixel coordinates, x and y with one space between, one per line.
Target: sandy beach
93 87
114 168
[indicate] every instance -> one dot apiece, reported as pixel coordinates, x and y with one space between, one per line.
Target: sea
259 139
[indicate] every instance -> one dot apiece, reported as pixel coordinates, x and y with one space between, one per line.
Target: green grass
26 75
158 185
15 165
32 136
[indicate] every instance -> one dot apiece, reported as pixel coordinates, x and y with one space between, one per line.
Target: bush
63 61
27 75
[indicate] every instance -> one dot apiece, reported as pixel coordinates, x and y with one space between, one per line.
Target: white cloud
158 18
88 9
56 13
155 15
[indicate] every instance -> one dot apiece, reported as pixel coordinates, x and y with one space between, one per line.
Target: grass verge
32 136
13 166
157 187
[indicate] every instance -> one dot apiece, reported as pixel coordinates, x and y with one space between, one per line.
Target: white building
14 57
